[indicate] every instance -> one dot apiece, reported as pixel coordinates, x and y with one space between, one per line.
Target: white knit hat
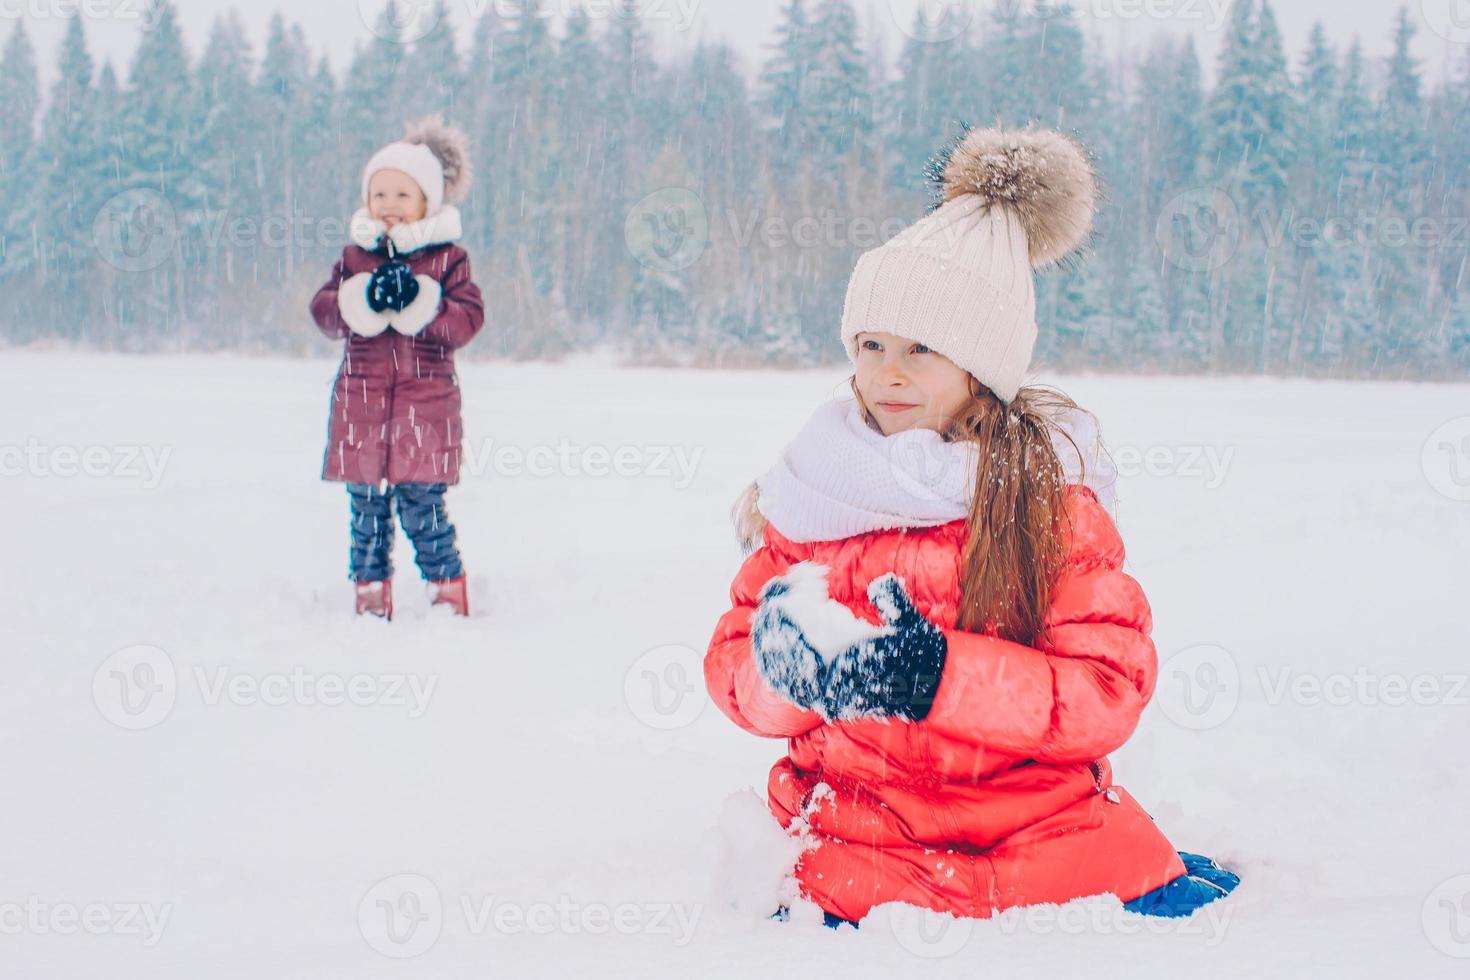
436 156
960 279
416 160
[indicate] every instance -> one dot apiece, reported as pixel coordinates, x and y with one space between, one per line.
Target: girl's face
905 385
394 197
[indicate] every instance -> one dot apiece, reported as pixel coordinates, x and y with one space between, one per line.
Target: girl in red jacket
402 300
935 613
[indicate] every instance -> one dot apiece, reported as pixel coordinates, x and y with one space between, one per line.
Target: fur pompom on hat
960 280
1039 173
435 155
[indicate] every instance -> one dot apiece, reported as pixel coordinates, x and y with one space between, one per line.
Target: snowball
829 626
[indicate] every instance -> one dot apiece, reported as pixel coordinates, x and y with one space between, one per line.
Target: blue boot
783 914
1203 881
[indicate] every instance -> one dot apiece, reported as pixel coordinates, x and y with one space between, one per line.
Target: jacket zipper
392 382
1111 795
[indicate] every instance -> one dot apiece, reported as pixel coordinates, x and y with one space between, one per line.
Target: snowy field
211 769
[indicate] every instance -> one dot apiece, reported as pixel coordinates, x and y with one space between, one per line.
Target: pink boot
451 592
375 599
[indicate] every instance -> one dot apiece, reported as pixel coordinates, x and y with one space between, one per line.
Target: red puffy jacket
1002 796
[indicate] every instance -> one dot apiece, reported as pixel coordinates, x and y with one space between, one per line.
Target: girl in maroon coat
402 300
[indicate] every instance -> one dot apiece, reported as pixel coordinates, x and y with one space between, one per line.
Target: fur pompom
451 147
1042 175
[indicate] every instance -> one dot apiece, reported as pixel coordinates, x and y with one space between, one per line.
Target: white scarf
839 478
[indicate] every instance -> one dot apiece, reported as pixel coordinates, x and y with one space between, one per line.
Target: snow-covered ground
211 769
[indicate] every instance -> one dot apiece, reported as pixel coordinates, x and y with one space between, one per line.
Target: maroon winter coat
395 411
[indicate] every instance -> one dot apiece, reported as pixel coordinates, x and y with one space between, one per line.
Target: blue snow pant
425 521
1203 881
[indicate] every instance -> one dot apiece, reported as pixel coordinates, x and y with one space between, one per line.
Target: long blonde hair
1018 518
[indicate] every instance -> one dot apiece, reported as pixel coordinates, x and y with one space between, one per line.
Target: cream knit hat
960 279
436 156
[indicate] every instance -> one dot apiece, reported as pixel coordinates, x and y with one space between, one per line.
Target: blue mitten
392 287
783 654
893 675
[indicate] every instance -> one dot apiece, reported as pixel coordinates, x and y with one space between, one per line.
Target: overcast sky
336 26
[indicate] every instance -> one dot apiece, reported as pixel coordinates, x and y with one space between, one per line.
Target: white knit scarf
839 478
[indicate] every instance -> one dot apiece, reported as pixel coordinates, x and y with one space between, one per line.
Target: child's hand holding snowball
816 654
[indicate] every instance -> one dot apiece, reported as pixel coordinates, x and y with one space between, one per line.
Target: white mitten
422 311
352 303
